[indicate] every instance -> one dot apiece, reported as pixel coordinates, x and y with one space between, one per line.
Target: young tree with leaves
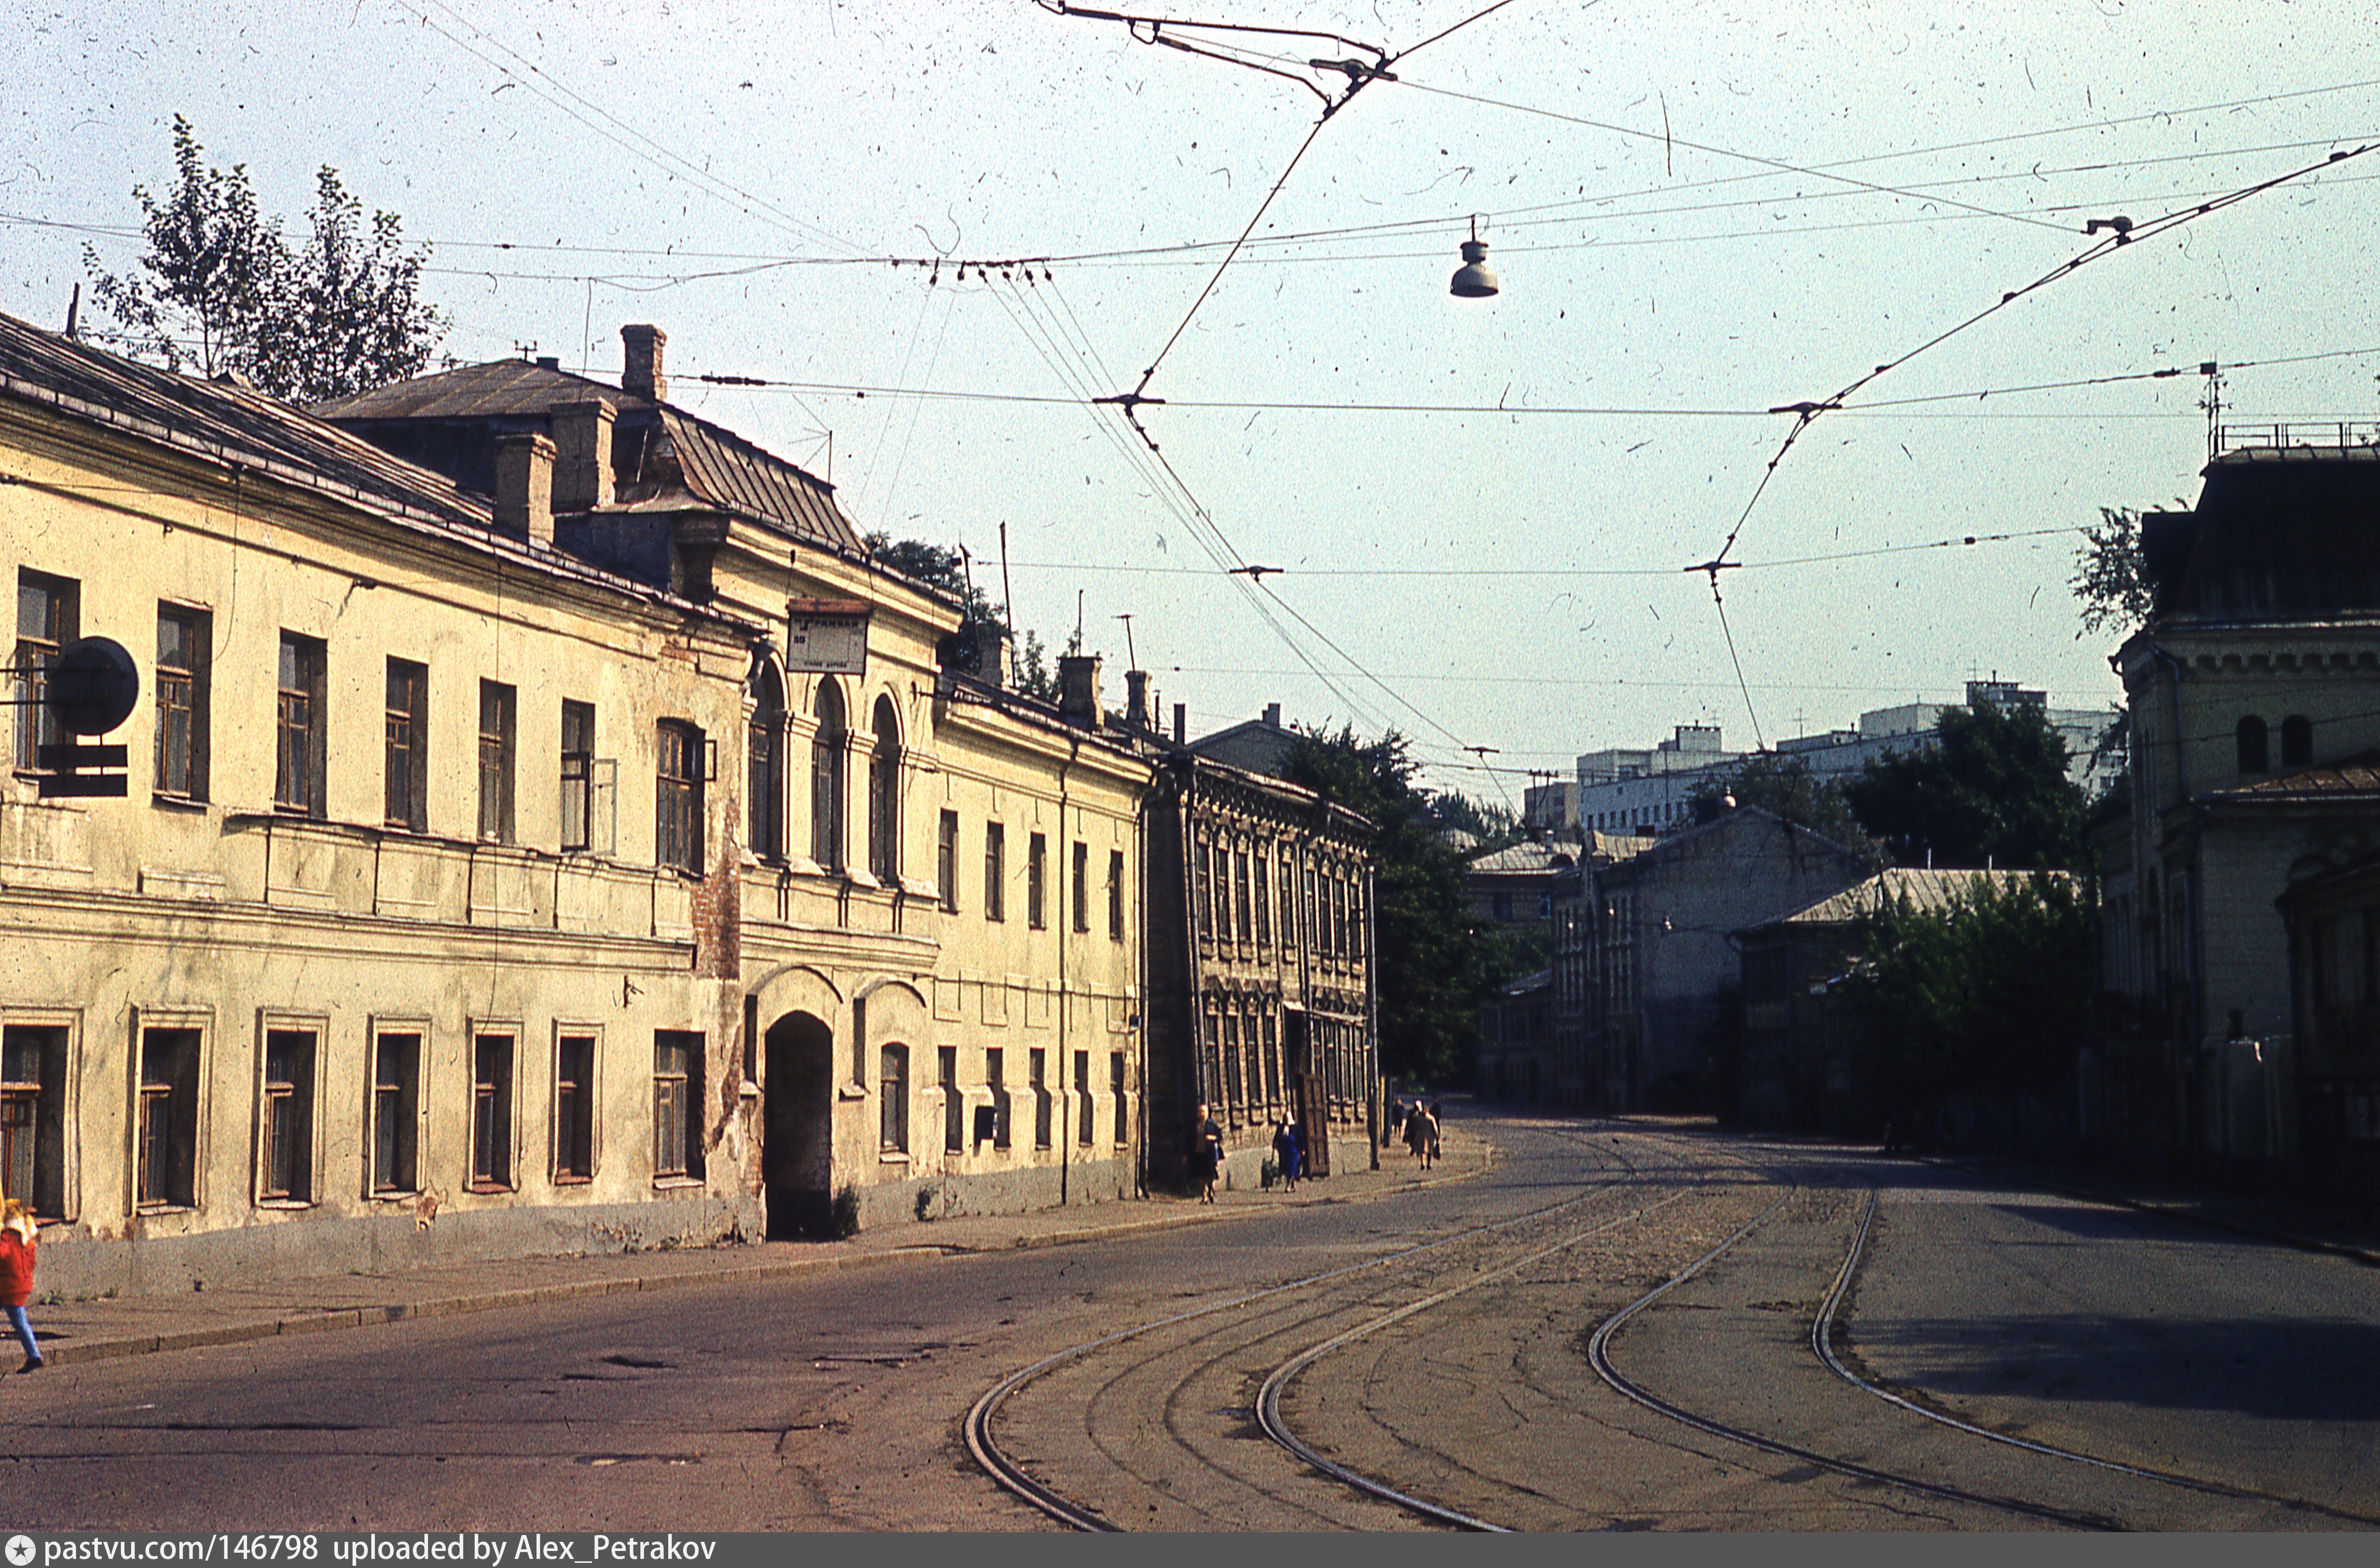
1990 789
2110 575
219 289
1785 787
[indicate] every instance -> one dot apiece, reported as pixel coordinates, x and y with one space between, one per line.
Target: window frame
995 871
184 693
678 804
578 769
404 778
1115 895
37 652
498 752
946 1065
892 1100
494 1124
1037 883
394 1108
946 862
764 752
677 1096
301 718
1079 896
828 745
576 1117
294 1103
884 795
55 1093
179 1101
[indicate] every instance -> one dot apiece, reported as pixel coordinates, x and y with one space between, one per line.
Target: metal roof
2355 777
226 422
1925 891
712 464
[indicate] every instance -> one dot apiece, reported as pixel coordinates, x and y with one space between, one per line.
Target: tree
1427 960
1990 996
1784 786
220 288
1990 789
2111 575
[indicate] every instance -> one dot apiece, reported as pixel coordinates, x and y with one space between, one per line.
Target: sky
1484 512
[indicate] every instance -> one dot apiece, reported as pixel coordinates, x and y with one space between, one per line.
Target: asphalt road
2232 1376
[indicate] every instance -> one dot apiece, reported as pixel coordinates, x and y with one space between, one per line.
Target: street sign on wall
826 636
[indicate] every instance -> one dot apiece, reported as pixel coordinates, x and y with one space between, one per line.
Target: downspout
1372 1011
1064 926
1139 1015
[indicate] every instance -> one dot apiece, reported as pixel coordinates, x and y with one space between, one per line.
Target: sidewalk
77 1332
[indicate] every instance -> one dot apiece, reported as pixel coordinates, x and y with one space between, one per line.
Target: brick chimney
1181 723
525 486
582 467
1136 706
640 373
1272 715
1078 689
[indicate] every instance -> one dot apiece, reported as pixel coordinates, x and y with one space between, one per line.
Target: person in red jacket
18 1239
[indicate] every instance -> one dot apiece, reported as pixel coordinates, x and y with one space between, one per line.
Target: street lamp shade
1473 280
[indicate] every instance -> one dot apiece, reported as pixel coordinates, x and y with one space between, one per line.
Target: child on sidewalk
19 1238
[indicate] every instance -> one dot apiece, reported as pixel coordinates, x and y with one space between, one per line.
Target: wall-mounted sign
826 636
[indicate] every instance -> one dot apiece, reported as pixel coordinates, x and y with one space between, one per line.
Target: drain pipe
1064 925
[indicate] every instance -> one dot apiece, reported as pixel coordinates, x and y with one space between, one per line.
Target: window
994 1070
677 1104
1245 930
826 779
765 748
1200 860
892 1098
1086 1116
166 1156
677 820
2297 741
286 1163
1264 905
946 862
496 708
2253 757
1272 1058
995 871
946 1058
492 1112
395 1113
1288 906
1232 1090
885 797
406 795
577 775
1037 1065
1082 888
1115 1089
573 1108
1115 895
32 1116
47 611
184 645
299 721
1037 866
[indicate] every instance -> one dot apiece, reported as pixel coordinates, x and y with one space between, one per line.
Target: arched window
2297 741
884 797
2252 756
826 778
765 802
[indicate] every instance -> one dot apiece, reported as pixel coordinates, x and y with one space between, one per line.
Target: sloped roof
1925 891
2355 778
1522 860
715 466
224 421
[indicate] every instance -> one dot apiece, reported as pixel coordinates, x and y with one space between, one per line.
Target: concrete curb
314 1321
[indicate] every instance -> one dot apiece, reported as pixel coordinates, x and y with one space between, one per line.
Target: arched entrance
796 1129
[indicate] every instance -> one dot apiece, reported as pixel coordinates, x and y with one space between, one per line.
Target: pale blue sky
739 174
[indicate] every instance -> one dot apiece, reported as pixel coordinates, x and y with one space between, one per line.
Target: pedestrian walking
1418 1131
19 1238
1205 1155
1284 1152
1395 1129
1437 1125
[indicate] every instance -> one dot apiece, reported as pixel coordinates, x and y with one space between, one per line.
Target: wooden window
826 779
892 1098
492 1112
32 1116
1081 891
573 1108
1085 1113
1115 1089
995 871
167 1157
1037 870
885 797
577 775
1244 926
285 1162
677 1104
395 1113
1115 895
1037 1065
47 614
1263 904
946 862
407 776
677 823
764 804
299 751
496 735
184 639
994 1070
946 1058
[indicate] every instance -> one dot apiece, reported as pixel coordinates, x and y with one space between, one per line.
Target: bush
843 1223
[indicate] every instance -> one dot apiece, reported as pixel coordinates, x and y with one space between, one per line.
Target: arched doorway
796 1129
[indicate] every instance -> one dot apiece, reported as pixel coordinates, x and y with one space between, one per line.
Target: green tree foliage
1785 787
2110 575
1990 997
1990 789
1427 960
220 289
